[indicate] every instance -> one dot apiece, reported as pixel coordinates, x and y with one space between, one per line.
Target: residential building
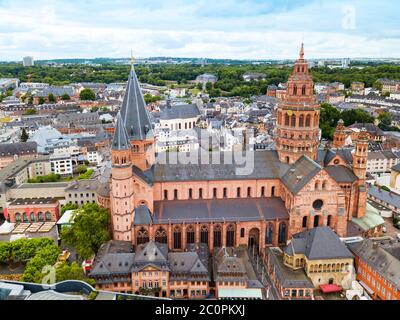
81 192
378 269
385 198
358 88
10 152
381 161
61 164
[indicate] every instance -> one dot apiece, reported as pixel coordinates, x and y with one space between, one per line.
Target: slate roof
379 259
23 148
185 111
142 216
120 140
114 257
219 210
266 166
326 156
318 243
385 196
300 173
151 253
133 110
341 174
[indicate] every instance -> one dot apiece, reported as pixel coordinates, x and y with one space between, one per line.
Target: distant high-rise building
346 63
28 62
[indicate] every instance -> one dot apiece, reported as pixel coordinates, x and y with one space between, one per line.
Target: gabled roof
133 111
120 140
300 173
152 253
318 243
341 174
142 216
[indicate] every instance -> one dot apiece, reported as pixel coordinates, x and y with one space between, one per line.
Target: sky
229 29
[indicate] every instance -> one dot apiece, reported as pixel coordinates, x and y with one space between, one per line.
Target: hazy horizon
229 29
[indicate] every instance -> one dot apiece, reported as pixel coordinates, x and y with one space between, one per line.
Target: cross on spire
302 51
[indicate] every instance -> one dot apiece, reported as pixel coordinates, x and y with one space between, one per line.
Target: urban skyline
231 29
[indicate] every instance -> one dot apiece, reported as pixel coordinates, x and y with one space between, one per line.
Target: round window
336 161
318 204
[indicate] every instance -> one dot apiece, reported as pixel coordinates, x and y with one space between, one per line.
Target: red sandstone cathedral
291 189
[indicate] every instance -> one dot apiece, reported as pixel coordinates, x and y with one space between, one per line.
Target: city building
381 161
30 210
358 88
378 269
205 78
81 192
312 260
152 269
10 152
61 164
28 61
389 200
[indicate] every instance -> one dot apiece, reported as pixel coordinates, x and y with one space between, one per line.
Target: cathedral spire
302 52
120 140
133 110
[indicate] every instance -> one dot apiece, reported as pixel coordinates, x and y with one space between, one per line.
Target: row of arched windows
334 267
40 217
225 192
230 235
304 121
296 90
317 221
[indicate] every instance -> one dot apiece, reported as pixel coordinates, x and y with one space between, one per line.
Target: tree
30 111
385 121
24 135
81 169
51 97
30 100
89 231
71 271
87 95
209 86
200 86
65 97
69 206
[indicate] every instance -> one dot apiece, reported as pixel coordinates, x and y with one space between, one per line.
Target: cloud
253 29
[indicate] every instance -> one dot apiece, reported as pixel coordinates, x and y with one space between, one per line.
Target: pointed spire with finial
120 140
302 51
133 109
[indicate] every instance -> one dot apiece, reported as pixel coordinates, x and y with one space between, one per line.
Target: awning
330 288
224 294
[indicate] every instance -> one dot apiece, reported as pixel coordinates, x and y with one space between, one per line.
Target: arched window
238 192
214 192
32 216
142 236
305 220
225 195
293 120
40 217
190 193
316 186
190 234
282 233
295 90
273 192
262 191
316 221
301 121
217 236
165 194
287 160
176 194
287 120
204 234
177 238
161 235
249 192
25 217
308 121
48 216
269 234
200 193
303 90
230 236
18 217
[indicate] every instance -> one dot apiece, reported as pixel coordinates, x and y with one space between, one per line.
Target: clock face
290 113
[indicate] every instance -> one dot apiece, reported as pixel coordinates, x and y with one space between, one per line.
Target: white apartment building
61 164
381 161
